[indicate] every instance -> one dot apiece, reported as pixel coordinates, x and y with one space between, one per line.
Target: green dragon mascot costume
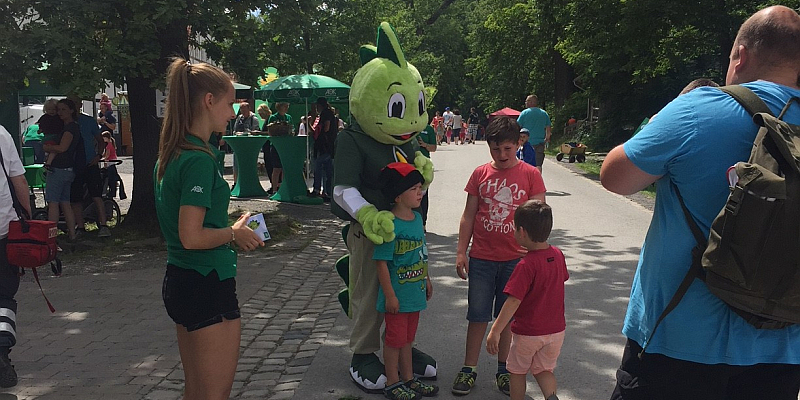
387 103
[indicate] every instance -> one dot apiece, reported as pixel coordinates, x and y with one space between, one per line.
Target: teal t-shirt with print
407 258
193 178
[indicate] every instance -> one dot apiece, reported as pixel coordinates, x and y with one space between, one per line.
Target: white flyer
259 226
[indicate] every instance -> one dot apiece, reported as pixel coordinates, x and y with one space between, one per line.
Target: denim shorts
487 279
58 183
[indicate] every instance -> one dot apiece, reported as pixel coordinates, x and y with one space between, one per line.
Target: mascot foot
423 364
367 371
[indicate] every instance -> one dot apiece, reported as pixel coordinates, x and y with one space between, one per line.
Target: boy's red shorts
401 328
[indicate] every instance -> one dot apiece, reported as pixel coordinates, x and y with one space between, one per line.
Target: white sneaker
103 231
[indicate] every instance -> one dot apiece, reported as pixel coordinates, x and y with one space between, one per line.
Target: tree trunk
145 132
563 76
145 128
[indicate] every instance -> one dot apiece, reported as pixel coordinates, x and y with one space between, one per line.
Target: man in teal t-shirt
537 122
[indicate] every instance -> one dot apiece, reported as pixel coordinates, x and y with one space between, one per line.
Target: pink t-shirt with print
500 192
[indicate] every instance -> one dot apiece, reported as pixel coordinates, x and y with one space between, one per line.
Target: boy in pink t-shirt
536 301
495 190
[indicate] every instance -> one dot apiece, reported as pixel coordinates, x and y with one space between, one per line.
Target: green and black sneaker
399 391
465 381
422 388
504 382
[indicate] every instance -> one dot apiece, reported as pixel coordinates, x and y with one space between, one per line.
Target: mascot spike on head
387 103
387 97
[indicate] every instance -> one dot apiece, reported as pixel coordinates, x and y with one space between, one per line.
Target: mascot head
387 97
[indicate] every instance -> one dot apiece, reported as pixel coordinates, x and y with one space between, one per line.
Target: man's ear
744 60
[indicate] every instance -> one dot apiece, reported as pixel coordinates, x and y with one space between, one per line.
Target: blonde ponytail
188 83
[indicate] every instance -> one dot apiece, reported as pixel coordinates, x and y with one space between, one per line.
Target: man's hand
493 343
392 304
429 289
462 266
425 167
378 225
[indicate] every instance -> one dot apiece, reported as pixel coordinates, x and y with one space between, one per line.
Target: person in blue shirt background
537 122
526 152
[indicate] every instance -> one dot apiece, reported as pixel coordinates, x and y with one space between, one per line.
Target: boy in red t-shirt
494 191
536 301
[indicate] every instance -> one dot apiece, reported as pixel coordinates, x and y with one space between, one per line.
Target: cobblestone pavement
111 338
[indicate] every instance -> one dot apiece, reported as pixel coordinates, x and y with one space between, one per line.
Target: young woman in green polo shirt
199 289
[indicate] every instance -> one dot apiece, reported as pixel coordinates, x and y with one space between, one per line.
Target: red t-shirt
111 151
500 192
538 280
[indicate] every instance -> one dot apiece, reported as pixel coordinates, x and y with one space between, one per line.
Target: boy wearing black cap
404 284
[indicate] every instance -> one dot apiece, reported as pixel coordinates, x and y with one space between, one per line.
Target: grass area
591 167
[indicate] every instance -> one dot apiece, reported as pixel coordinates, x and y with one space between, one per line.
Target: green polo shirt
428 135
193 178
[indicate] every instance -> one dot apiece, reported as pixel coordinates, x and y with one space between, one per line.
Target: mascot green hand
378 225
387 110
425 167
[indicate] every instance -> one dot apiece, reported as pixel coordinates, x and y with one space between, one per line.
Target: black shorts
658 377
274 158
196 301
86 178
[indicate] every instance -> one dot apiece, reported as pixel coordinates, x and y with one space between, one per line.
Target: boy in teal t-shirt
404 284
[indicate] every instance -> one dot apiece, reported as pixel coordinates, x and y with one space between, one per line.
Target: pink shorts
534 353
401 328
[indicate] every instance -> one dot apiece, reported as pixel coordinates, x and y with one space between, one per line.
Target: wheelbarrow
574 150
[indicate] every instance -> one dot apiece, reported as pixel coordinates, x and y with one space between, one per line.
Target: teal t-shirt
193 178
32 133
428 135
536 121
278 118
407 258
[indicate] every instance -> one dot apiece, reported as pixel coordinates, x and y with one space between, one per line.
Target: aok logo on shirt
197 189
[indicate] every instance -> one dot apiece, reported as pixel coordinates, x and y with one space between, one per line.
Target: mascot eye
421 103
397 106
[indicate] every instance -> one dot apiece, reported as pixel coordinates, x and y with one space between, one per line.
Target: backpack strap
695 270
749 100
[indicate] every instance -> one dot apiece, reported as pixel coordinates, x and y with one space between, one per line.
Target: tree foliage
625 57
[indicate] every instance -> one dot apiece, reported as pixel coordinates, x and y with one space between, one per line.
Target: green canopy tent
304 90
301 91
